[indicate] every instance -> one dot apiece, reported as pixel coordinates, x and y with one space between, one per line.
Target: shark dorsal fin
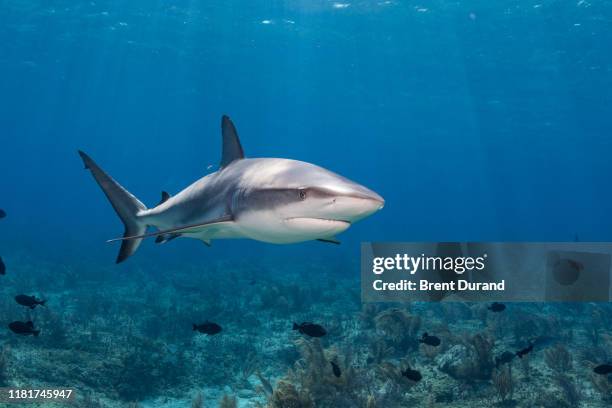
232 150
164 197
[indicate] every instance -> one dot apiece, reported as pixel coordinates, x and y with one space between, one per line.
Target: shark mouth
307 228
315 219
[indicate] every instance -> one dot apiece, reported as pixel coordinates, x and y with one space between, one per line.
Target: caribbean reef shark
278 201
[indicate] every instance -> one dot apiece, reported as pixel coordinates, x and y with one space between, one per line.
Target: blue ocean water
474 120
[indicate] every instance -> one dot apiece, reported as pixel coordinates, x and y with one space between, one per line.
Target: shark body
272 200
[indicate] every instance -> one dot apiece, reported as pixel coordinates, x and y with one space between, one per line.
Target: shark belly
268 227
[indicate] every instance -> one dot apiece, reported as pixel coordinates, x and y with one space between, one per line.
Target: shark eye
302 194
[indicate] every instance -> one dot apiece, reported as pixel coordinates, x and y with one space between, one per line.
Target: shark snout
371 198
357 205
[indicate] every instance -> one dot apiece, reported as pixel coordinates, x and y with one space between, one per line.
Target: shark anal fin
164 197
329 240
185 229
232 149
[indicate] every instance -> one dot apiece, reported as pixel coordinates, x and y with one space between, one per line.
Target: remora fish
278 201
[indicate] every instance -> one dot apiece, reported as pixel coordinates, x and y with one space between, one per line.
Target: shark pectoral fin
331 240
186 229
207 242
232 149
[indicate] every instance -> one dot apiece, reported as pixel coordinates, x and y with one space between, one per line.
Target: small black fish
2 213
29 301
2 267
310 329
524 351
603 369
412 375
207 327
505 358
336 369
430 340
497 307
24 328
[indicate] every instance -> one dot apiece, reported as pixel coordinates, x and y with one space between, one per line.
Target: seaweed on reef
470 360
228 402
484 353
266 387
570 392
247 367
312 383
393 373
400 328
287 396
503 383
394 387
314 368
558 359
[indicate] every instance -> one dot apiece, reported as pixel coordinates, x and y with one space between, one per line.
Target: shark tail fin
125 204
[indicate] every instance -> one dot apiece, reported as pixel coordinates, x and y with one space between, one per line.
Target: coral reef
503 383
570 392
287 396
469 361
400 328
130 341
558 359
